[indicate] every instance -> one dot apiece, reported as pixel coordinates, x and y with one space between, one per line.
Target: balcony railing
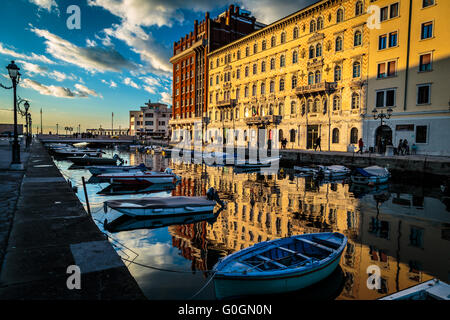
321 87
263 120
226 103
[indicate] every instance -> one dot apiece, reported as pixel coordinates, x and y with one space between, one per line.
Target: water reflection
402 229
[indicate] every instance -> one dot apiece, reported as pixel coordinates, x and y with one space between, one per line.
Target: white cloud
33 57
33 69
130 83
57 91
91 43
166 97
111 83
45 4
93 59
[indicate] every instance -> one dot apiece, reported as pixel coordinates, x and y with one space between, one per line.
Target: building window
254 90
311 52
384 13
339 44
246 92
357 38
319 23
238 73
354 136
425 62
393 10
295 33
273 41
272 86
254 68
263 45
421 134
386 69
263 66
292 135
427 3
318 76
255 48
355 101
247 51
337 73
335 137
294 82
283 38
311 78
356 69
382 42
359 8
393 39
424 94
340 16
318 50
272 64
246 71
416 237
282 61
312 26
427 30
294 57
385 98
238 54
281 84
293 107
281 107
263 88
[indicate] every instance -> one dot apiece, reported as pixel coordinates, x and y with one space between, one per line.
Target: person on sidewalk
360 145
405 147
317 145
400 147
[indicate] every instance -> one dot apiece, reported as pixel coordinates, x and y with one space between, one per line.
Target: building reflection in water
403 230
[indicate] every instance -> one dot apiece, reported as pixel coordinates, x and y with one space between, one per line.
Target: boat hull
159 212
141 181
369 180
227 287
104 170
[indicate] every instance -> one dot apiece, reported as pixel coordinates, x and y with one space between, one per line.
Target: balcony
228 103
263 120
322 87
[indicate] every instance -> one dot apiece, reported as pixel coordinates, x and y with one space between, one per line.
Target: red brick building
190 63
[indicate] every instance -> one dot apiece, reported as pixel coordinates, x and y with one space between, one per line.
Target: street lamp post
14 74
25 113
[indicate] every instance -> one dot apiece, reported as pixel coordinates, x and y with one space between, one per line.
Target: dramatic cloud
93 59
130 83
33 57
166 97
59 92
32 69
45 4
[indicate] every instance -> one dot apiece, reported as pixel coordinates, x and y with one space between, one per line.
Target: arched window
335 138
356 69
238 54
310 105
294 57
263 45
357 38
303 108
316 106
340 16
310 78
270 109
254 68
281 84
217 62
339 44
311 52
263 88
272 86
246 115
294 82
359 8
295 33
217 97
318 77
280 135
354 136
318 50
283 37
255 48
337 73
247 51
272 64
319 23
280 109
282 60
336 103
246 92
312 26
263 66
246 71
254 90
292 135
355 101
273 41
293 107
217 115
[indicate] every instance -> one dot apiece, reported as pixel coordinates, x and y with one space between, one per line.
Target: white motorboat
165 206
97 170
371 175
428 290
75 152
334 171
140 177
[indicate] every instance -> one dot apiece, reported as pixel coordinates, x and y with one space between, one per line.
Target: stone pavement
50 232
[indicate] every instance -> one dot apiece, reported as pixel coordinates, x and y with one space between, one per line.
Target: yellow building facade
321 71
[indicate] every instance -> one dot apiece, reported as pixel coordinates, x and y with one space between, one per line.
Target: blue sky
116 62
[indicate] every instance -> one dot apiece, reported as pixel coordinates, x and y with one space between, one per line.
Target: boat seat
314 244
296 253
326 243
271 261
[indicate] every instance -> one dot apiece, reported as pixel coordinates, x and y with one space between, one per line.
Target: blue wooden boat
371 176
280 265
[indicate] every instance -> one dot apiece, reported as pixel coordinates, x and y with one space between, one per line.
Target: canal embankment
50 232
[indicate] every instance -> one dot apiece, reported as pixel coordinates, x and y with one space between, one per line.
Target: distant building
108 132
150 121
5 128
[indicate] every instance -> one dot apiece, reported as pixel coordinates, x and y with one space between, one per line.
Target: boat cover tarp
373 171
338 168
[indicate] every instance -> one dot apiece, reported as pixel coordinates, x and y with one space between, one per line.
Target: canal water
400 231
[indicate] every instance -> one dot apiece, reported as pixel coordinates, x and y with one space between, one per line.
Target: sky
116 62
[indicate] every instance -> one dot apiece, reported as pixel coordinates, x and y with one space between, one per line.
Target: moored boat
371 175
428 290
334 171
97 170
118 189
89 160
74 152
143 177
280 265
262 163
164 206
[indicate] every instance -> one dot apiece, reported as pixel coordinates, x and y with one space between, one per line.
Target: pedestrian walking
400 147
317 145
405 146
360 145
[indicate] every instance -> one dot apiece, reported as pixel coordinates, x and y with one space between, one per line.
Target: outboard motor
212 194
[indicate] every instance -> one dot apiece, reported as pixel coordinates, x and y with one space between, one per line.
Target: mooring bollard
86 196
